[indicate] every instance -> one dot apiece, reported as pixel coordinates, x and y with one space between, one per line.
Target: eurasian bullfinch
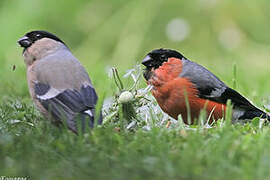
181 86
59 85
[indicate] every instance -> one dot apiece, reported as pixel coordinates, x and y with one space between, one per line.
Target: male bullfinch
181 86
58 84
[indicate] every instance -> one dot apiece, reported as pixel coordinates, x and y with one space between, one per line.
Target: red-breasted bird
177 81
58 84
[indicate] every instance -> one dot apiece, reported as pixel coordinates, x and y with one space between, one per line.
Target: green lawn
219 35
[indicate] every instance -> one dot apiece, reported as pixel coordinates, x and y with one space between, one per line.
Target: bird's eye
163 57
38 35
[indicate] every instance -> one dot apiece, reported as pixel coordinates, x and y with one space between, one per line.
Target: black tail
250 114
88 120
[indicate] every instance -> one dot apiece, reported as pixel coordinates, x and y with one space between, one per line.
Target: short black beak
25 42
147 61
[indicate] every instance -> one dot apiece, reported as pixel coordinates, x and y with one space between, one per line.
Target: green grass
45 152
119 33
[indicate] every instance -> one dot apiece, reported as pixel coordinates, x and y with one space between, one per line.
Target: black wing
69 104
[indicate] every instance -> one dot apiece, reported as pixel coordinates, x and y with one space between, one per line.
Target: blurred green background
106 33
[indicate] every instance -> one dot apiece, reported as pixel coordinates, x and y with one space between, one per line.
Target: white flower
125 97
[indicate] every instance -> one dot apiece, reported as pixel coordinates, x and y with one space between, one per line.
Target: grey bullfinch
181 86
59 85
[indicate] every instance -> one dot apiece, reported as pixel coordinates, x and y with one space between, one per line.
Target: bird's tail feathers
255 113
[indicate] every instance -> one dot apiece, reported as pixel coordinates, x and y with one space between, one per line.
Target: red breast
171 92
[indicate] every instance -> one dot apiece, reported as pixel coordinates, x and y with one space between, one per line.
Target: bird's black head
31 37
155 58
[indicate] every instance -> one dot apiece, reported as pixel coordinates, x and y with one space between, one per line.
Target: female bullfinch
58 84
181 86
